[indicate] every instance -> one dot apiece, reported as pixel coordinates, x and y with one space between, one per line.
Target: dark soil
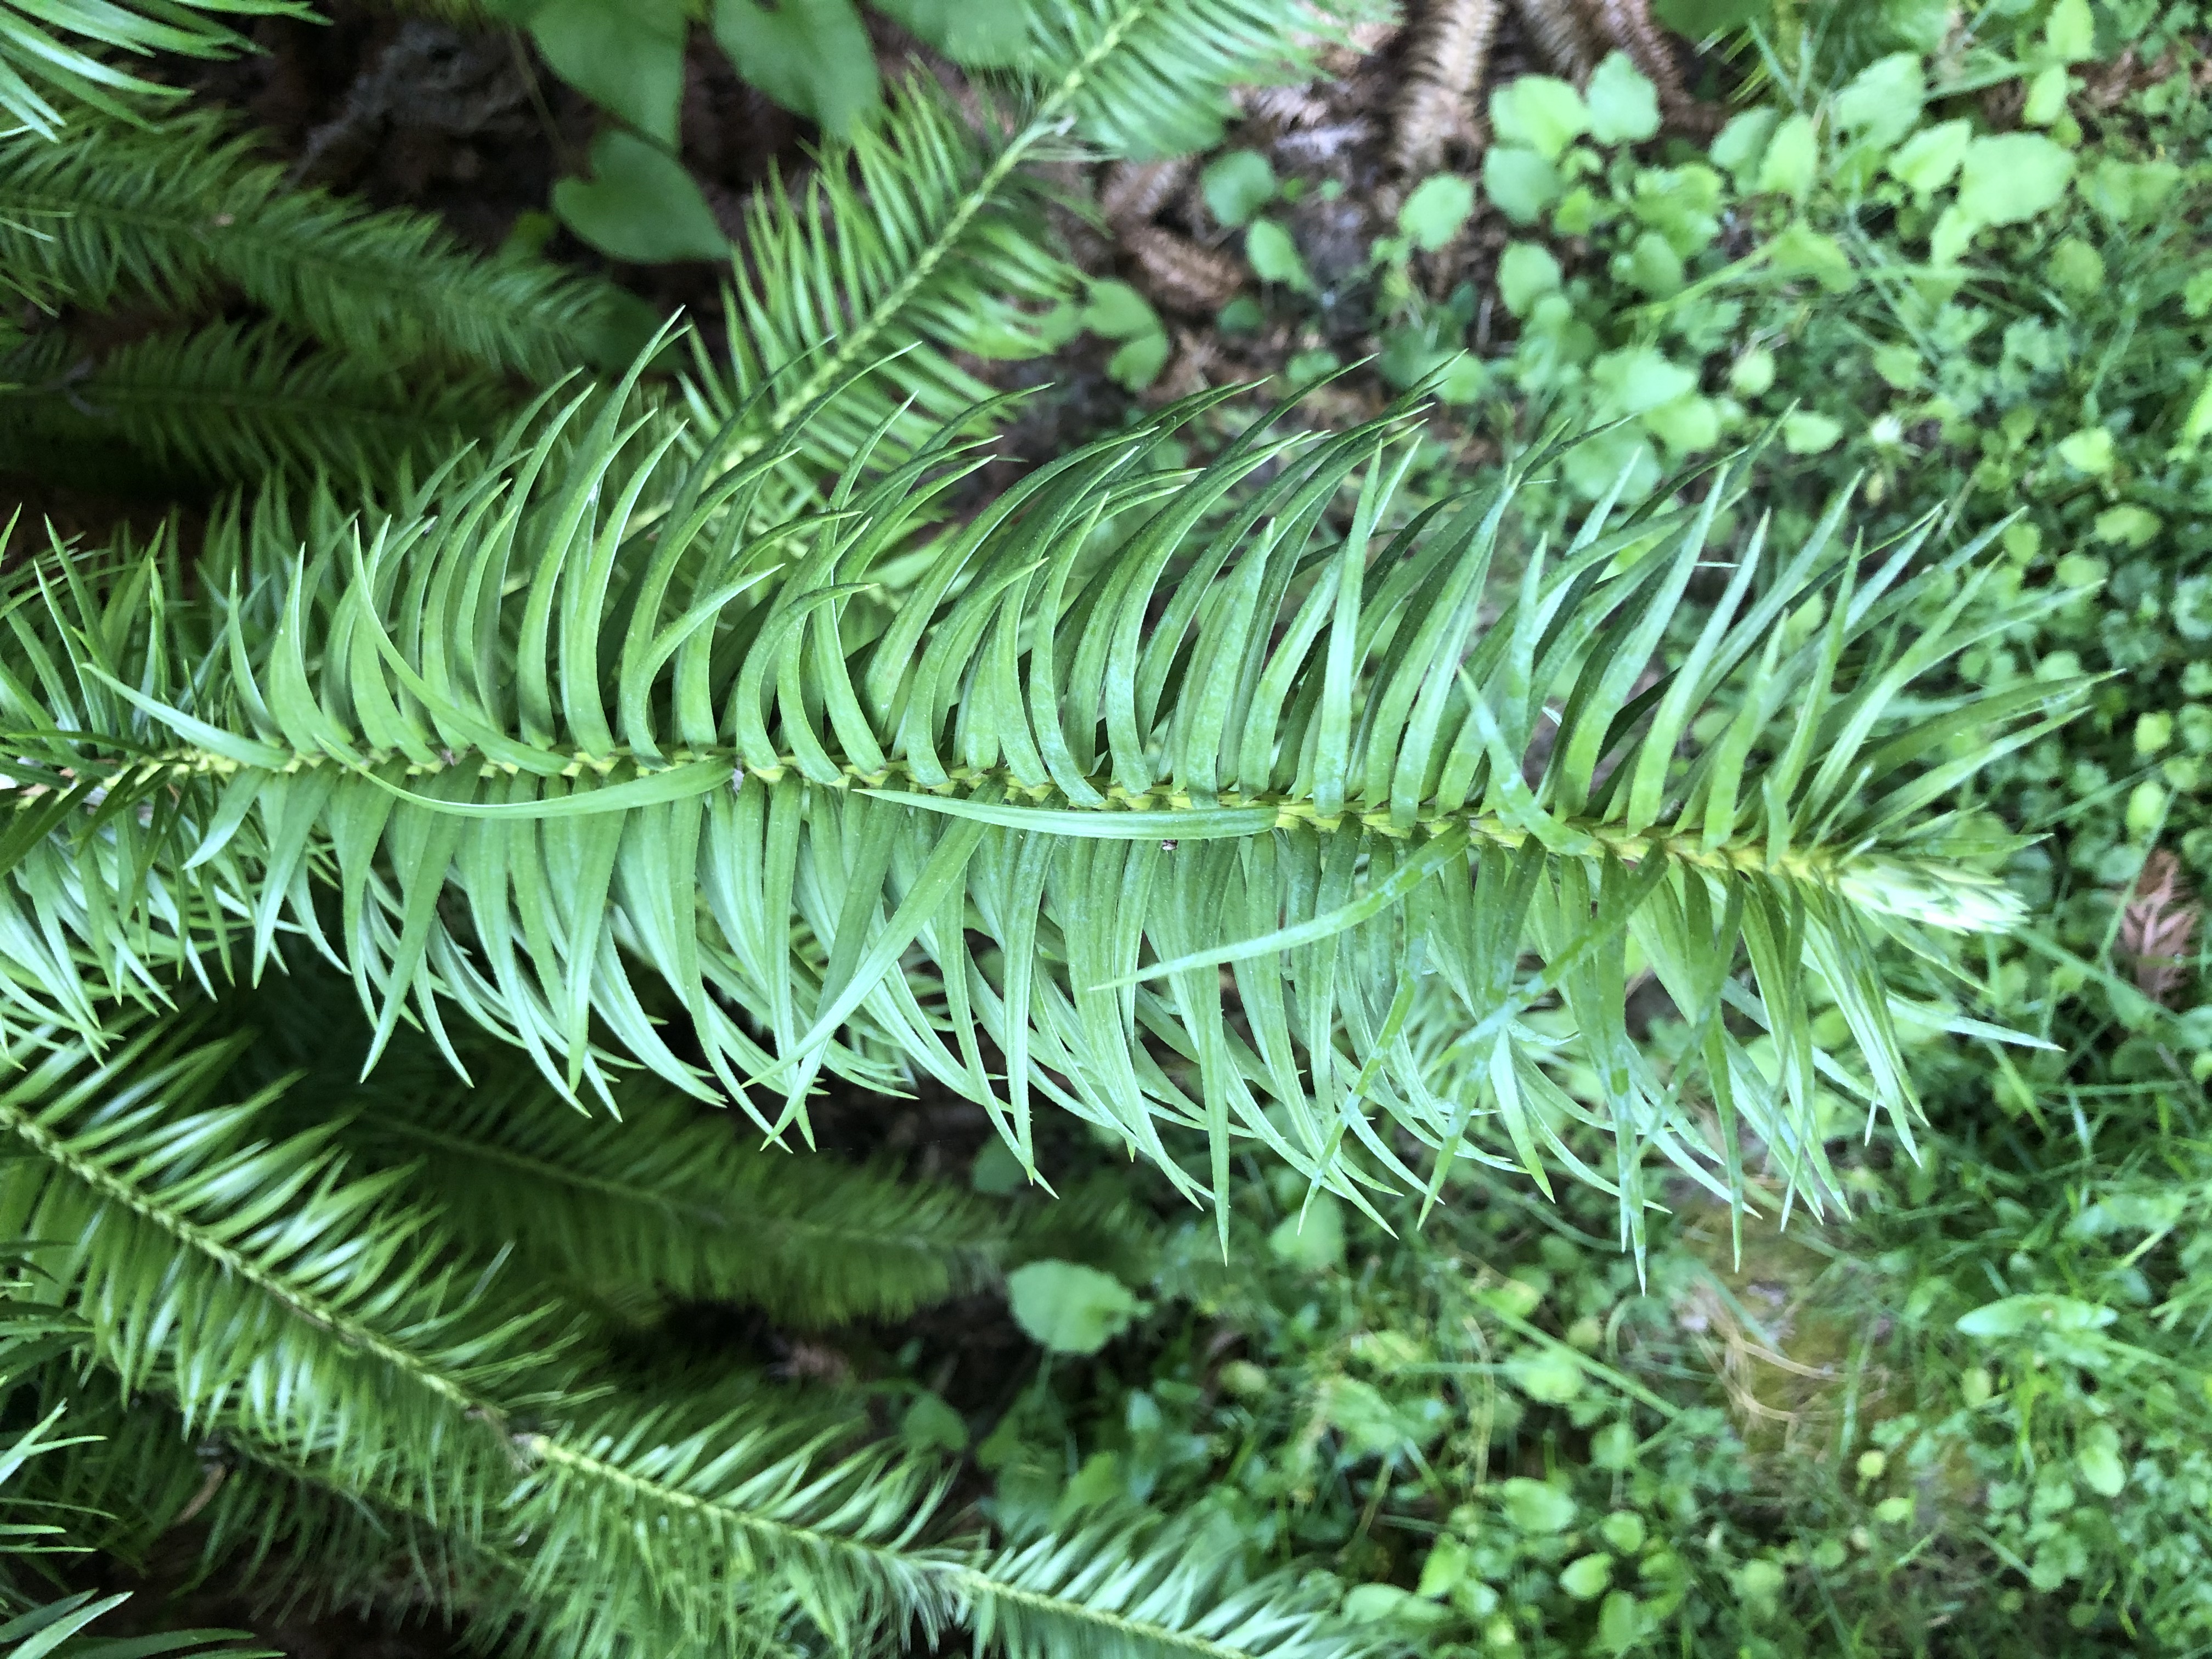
466 124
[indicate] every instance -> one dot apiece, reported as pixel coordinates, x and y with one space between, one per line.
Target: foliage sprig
1130 725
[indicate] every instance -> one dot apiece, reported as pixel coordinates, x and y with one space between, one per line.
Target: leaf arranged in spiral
1130 725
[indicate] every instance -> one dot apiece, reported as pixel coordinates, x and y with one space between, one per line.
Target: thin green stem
1821 865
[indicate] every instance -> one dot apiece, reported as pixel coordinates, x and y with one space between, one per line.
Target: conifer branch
1306 761
175 210
229 401
323 1325
925 237
667 1203
70 47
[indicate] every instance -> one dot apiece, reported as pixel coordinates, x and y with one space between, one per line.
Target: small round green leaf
1621 457
1275 256
627 58
1548 1378
1544 113
2131 191
1652 265
1586 1577
1237 185
997 1169
1241 315
1359 1412
1624 1530
2076 267
2128 524
1793 156
1801 250
2069 33
810 56
1067 1308
1526 271
1638 378
1899 365
930 1425
1138 363
1623 106
2008 178
1752 376
1448 1566
1436 212
1314 1240
1463 378
1882 102
1519 182
974 33
2098 1458
2046 96
1620 1622
1614 1447
1927 161
2090 450
639 204
2013 1314
1759 1582
1118 311
1534 1506
1739 145
1804 433
1370 1605
1688 425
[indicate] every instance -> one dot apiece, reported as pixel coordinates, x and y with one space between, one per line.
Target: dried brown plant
1191 368
1737 1352
1287 106
1561 36
1181 272
815 1362
1338 59
1444 63
2158 925
1320 146
2105 87
2001 105
1134 191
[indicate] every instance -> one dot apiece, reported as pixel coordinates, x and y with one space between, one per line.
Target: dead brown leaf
1134 191
2158 926
1443 66
1181 273
1561 36
1288 107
